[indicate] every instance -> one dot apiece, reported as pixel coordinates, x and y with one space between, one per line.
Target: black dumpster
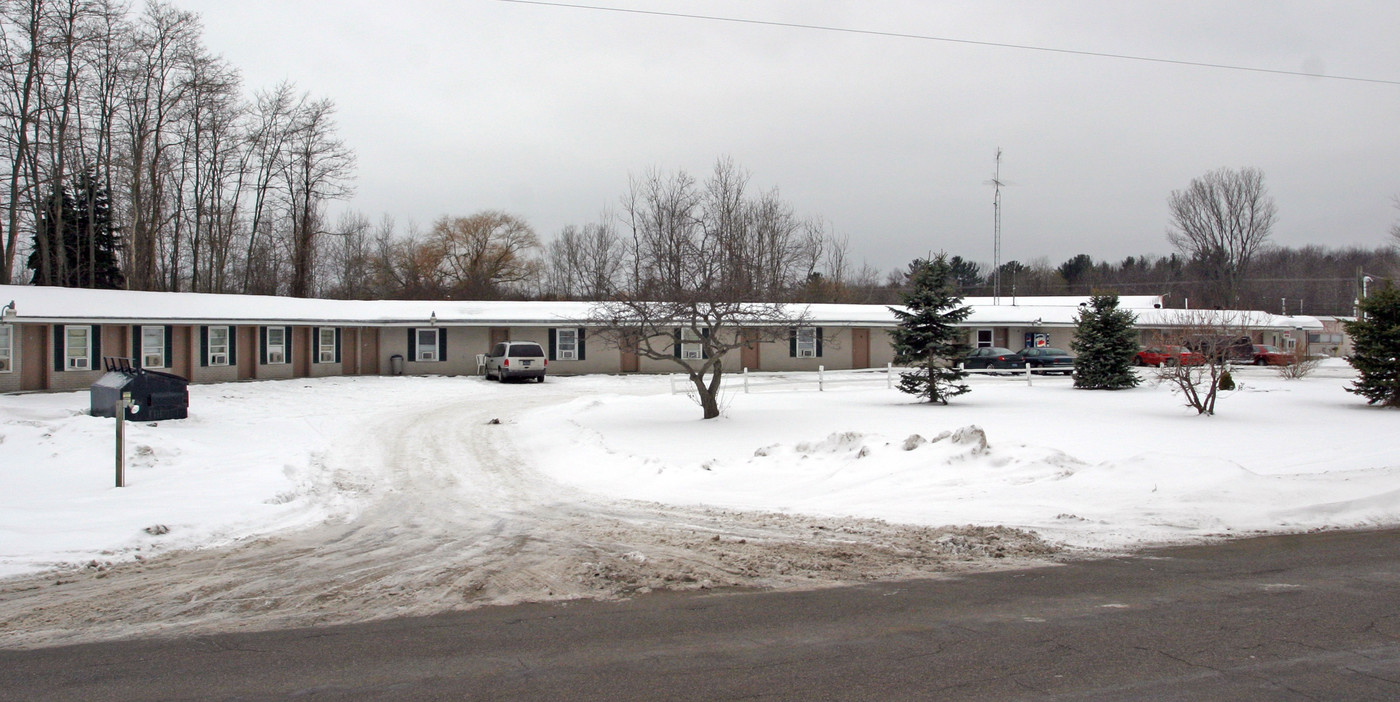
154 395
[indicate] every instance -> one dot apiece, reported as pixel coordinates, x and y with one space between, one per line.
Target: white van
516 359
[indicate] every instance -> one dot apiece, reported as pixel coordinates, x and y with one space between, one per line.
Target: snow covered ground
1098 469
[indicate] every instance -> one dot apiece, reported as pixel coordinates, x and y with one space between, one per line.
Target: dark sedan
1047 360
993 357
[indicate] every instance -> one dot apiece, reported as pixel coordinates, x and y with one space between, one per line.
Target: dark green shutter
819 342
204 346
337 344
58 346
792 342
704 345
412 344
553 341
169 346
233 346
442 345
676 338
262 346
286 344
136 346
579 341
316 345
95 340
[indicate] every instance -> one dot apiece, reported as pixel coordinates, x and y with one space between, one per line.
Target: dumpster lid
113 381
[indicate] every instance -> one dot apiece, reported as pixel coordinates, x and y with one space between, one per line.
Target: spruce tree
75 244
1106 343
927 336
1375 355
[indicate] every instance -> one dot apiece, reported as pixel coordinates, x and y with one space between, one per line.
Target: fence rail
824 379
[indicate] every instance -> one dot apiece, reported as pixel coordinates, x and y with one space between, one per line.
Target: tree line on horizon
495 255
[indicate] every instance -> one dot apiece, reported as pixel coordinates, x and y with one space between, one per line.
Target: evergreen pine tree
927 336
1375 355
75 245
1106 342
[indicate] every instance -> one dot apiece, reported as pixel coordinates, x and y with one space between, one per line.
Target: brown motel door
860 348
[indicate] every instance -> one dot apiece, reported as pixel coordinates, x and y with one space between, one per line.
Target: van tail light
506 362
546 363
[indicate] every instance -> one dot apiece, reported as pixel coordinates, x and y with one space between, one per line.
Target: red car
1266 355
1159 356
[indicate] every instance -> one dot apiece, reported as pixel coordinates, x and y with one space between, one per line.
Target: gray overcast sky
458 106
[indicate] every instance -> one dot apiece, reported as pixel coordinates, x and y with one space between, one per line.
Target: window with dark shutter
326 345
215 346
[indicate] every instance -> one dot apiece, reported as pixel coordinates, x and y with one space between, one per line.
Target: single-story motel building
55 338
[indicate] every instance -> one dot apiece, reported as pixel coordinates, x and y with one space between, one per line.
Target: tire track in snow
456 520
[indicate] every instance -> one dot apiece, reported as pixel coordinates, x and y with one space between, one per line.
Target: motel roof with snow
54 338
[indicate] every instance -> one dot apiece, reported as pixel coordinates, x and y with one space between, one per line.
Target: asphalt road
1279 618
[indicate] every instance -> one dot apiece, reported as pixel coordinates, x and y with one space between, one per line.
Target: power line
950 40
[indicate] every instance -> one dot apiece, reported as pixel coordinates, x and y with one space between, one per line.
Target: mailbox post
122 404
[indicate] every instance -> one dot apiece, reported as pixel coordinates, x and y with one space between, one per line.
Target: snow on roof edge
40 304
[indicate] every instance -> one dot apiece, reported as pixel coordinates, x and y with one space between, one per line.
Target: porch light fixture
432 321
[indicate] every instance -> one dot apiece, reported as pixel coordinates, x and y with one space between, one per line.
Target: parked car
1266 355
1159 356
1048 360
993 357
516 359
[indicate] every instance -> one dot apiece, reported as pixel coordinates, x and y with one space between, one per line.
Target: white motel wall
56 338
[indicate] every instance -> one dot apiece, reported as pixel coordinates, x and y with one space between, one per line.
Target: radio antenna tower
996 182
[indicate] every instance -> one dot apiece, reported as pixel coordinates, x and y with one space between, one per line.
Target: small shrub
1227 382
1301 366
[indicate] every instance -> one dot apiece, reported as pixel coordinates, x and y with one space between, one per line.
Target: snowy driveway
308 502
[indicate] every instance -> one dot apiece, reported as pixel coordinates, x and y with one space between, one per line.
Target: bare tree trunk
19 186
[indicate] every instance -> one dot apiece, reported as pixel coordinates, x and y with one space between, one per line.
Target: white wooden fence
824 379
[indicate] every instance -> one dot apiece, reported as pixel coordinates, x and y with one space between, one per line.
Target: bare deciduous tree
483 255
1217 340
1395 228
703 258
584 264
317 167
1220 222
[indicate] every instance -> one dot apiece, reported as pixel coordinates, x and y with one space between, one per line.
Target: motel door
860 348
748 356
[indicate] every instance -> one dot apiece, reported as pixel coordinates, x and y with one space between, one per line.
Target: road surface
1300 617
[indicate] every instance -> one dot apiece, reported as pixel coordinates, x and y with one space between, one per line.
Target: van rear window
525 350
